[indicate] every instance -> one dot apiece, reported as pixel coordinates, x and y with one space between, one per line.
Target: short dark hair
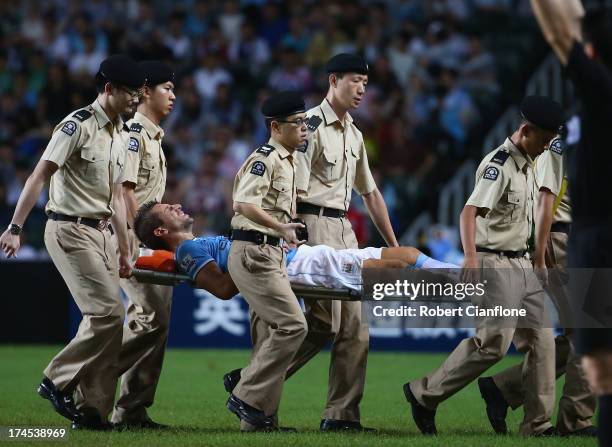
100 82
145 223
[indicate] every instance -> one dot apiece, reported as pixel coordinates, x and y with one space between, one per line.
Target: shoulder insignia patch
135 127
82 115
258 168
134 144
313 123
303 147
266 149
500 157
556 146
69 128
491 173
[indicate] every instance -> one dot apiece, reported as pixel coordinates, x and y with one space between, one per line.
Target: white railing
547 80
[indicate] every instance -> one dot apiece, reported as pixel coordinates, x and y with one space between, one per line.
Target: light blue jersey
194 254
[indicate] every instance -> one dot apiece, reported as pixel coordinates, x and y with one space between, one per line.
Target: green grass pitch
191 399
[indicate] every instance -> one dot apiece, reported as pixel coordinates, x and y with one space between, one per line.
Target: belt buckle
260 238
102 225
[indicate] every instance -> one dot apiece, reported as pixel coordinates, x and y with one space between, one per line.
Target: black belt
254 236
99 224
561 227
110 228
506 253
309 208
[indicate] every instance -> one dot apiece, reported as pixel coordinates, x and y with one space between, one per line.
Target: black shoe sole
348 429
139 427
46 393
96 427
497 423
242 415
415 407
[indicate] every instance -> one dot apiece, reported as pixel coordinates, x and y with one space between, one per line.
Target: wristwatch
14 229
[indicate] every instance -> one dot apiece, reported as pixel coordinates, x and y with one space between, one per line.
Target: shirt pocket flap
330 157
514 198
90 155
281 185
147 165
355 152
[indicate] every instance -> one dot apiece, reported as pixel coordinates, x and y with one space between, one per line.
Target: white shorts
323 266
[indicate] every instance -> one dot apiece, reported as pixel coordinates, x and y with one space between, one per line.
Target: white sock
425 262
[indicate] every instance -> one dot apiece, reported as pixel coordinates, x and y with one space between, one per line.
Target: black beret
347 63
283 104
156 72
543 112
122 70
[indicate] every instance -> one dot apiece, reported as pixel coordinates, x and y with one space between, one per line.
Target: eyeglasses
137 93
298 122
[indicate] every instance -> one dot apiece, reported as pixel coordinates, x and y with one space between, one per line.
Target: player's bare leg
403 257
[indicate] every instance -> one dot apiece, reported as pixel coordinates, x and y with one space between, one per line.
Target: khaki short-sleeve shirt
89 151
334 162
266 179
145 162
505 188
551 173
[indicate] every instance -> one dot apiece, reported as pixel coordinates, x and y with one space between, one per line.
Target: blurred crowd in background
441 71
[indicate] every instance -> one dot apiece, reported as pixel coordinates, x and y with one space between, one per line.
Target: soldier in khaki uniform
333 164
496 225
146 333
84 161
264 202
578 403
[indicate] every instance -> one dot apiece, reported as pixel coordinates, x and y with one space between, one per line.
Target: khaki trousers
338 322
144 344
86 259
577 404
510 283
260 273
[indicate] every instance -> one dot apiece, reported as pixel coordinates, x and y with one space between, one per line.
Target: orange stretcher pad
159 267
159 260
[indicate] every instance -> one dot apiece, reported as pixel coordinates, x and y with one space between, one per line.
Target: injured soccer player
161 226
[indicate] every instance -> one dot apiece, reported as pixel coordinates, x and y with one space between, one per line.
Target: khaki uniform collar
154 131
282 151
330 116
102 117
519 158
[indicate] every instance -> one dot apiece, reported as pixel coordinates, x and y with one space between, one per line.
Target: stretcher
159 267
